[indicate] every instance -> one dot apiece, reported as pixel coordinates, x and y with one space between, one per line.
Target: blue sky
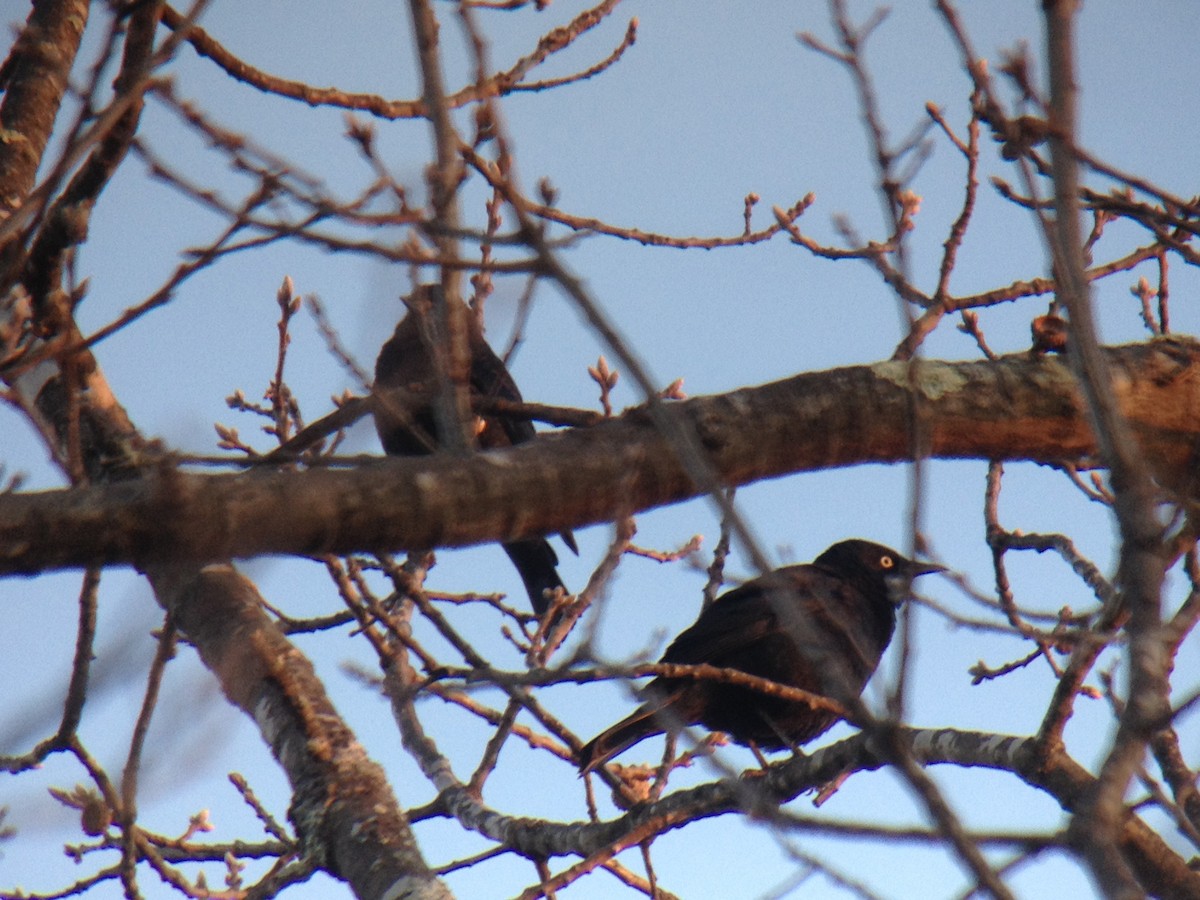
715 101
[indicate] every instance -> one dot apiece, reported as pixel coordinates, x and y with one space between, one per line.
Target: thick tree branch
39 65
341 804
1016 408
1161 871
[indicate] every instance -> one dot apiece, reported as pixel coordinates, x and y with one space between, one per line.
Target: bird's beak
923 568
899 584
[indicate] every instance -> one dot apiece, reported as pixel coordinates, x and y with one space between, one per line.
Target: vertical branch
130 774
1096 827
67 222
77 687
451 406
899 206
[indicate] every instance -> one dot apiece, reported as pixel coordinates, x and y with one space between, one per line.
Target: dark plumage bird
821 627
407 426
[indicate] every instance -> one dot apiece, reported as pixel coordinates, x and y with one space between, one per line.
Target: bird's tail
642 723
535 561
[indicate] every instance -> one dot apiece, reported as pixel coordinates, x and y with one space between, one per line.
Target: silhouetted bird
407 425
840 612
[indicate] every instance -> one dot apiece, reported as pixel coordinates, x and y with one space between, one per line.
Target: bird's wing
644 722
738 619
404 422
491 378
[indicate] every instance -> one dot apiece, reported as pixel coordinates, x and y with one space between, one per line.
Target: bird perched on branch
407 423
821 627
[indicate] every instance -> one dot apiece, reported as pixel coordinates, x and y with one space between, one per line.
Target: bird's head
868 561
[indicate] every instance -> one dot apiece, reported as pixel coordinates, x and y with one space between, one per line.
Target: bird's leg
783 737
755 776
554 626
758 755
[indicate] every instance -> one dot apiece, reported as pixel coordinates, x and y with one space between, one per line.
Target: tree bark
1020 407
341 805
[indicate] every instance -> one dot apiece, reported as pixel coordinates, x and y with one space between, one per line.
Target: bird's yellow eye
886 562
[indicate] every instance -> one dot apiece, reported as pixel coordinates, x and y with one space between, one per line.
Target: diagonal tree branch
344 811
38 67
341 804
1162 871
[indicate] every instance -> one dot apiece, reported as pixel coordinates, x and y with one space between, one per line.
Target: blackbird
838 615
407 427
